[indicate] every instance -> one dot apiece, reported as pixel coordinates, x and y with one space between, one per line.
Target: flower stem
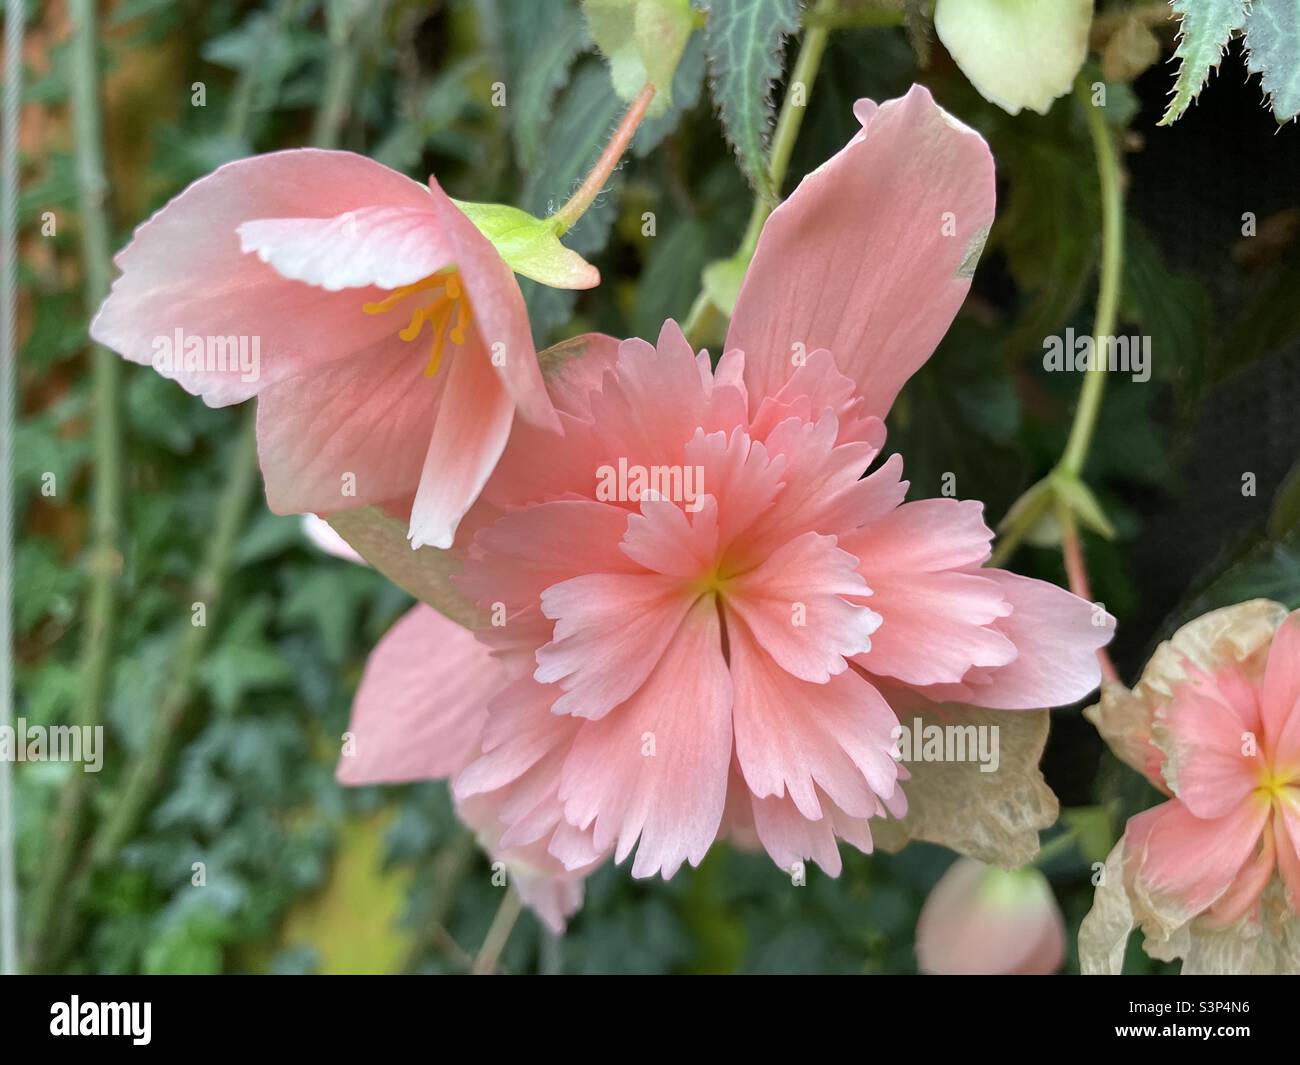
1083 428
1076 573
104 561
498 934
565 218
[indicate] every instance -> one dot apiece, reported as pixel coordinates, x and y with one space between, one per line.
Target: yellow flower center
1274 785
450 300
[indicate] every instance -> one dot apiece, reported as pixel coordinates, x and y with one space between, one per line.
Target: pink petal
856 260
926 535
421 704
1056 635
469 434
798 738
611 629
1280 697
673 799
1243 896
576 368
789 837
184 269
935 627
1286 835
514 560
323 536
793 604
1203 737
664 539
367 416
1188 861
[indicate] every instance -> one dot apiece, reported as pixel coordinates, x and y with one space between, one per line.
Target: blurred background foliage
304 876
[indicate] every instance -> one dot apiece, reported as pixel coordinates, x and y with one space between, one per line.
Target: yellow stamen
449 295
398 294
439 337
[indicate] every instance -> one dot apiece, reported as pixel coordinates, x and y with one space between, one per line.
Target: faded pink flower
386 339
981 920
1212 875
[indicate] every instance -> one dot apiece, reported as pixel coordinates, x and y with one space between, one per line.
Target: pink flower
419 714
386 339
981 920
712 661
1212 875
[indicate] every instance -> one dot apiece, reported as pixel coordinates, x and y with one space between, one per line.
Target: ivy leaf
744 42
1202 36
529 246
1273 52
643 41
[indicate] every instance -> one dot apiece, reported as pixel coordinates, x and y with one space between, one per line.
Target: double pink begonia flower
672 670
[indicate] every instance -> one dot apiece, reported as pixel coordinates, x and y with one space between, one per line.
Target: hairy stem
565 218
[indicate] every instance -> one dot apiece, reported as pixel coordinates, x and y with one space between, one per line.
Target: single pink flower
1218 865
981 920
677 668
384 336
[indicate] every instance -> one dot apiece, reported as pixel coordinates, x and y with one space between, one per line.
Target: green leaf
1202 36
1079 498
529 246
722 280
744 43
541 42
643 41
1273 52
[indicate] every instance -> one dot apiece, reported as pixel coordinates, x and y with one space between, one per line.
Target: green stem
1084 425
498 934
105 557
565 218
146 773
704 316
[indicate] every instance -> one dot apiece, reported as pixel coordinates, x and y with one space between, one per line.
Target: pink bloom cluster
657 672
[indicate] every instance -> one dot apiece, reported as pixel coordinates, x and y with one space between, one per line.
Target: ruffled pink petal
657 767
857 260
610 631
579 367
1280 696
664 539
519 733
421 704
185 270
1247 888
800 739
935 627
1190 861
517 558
1056 635
649 410
740 475
794 605
350 434
926 535
469 434
789 837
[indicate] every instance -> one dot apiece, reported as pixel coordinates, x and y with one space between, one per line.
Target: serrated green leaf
541 42
1273 52
744 44
1202 36
529 245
